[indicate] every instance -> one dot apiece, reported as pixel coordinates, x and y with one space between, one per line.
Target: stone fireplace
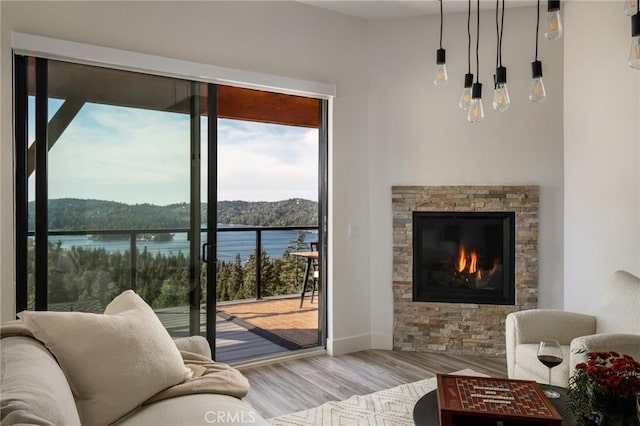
456 296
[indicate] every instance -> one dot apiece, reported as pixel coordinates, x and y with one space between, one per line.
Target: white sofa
72 369
34 387
615 326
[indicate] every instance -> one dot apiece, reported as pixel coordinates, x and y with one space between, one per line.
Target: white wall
602 151
419 136
282 38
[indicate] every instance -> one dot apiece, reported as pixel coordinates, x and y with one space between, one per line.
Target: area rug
390 407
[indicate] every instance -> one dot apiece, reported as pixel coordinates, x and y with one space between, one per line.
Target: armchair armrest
533 325
195 344
622 343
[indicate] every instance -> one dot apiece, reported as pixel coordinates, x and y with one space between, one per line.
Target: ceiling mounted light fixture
634 54
501 98
554 20
441 67
476 112
537 93
465 99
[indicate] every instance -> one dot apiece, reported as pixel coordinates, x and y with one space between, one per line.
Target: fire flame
473 267
472 261
462 259
469 264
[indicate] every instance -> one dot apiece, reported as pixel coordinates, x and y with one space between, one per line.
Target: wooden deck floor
252 329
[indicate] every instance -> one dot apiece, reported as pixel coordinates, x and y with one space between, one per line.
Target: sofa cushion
195 410
113 362
194 344
529 368
34 389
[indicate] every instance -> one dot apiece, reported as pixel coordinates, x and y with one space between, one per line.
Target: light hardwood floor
294 385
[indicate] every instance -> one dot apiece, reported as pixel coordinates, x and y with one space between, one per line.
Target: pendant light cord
501 31
469 37
497 35
537 29
441 22
478 43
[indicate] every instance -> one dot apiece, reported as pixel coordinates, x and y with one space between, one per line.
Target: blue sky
142 156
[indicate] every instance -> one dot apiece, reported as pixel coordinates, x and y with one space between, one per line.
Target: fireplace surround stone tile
461 328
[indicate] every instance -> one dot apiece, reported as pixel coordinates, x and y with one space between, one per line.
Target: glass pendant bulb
501 98
630 7
554 21
441 69
537 92
634 54
476 112
465 99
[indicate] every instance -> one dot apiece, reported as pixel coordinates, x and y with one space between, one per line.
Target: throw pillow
113 362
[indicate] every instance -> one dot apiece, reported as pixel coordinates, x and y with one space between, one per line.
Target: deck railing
134 233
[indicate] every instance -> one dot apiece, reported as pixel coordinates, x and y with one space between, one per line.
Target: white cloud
266 162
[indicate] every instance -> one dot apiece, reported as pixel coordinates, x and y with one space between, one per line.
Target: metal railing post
258 264
133 260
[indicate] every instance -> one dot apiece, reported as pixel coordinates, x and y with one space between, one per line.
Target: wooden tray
470 400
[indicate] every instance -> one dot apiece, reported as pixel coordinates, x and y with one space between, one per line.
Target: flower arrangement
605 386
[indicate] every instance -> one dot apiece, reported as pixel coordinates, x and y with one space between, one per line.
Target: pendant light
537 92
476 112
630 7
465 98
554 20
441 68
501 99
634 54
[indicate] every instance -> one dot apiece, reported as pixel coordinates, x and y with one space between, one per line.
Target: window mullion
21 179
42 193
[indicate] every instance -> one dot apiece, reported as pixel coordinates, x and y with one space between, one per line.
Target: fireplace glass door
464 257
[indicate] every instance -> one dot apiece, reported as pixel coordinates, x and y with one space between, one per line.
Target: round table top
425 412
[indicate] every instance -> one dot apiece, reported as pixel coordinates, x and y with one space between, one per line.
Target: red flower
606 379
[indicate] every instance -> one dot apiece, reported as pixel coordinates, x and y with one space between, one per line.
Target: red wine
550 360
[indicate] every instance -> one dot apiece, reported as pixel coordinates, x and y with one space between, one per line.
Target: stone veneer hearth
460 328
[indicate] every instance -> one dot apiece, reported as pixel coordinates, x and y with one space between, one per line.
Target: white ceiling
387 9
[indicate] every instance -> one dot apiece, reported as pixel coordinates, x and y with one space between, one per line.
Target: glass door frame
209 251
41 143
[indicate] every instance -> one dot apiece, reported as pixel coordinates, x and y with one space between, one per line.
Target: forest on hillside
67 214
80 275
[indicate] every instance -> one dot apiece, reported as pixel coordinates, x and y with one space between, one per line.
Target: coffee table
425 412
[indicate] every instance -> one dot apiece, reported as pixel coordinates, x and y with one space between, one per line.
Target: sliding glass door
108 190
115 175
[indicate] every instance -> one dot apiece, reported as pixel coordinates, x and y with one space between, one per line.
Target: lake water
229 243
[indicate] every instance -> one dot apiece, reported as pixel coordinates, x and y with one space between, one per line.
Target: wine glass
550 354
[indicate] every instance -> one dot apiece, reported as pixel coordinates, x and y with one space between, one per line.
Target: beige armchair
615 326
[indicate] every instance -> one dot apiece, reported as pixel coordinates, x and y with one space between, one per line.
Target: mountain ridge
67 214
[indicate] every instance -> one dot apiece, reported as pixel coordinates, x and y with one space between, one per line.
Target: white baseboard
345 345
382 341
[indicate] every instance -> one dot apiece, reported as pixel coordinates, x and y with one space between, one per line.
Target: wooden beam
267 107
